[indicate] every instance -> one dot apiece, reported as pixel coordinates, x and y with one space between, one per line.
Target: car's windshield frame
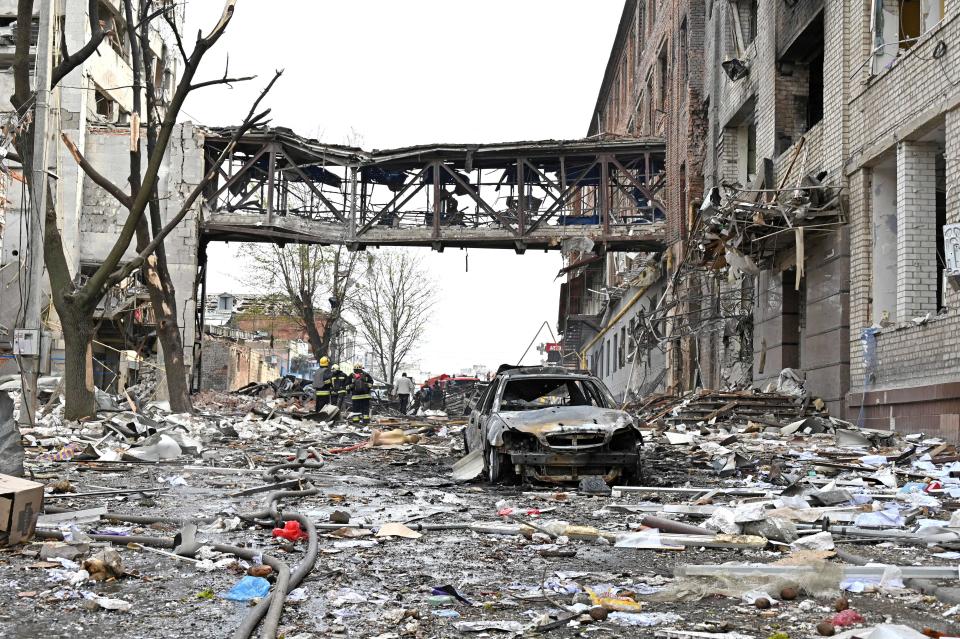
591 383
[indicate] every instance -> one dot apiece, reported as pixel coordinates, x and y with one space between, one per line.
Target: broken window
663 71
941 205
117 34
623 346
606 357
616 352
753 9
895 26
649 105
640 28
910 23
682 60
800 88
747 152
534 394
105 106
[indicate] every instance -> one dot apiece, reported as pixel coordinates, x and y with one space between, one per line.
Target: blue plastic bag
248 588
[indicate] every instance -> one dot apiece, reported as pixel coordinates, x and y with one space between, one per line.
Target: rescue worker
322 381
361 385
339 390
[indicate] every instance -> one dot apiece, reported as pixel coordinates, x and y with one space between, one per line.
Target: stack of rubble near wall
747 229
711 406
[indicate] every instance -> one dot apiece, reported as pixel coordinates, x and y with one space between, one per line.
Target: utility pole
32 316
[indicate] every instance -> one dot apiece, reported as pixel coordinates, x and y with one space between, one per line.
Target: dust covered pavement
404 551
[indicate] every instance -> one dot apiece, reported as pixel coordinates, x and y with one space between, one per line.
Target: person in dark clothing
426 395
339 389
322 383
436 397
361 388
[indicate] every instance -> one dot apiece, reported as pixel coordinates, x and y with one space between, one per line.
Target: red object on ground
291 530
847 618
503 512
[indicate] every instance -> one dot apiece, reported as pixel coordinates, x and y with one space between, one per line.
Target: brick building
230 364
902 173
645 92
761 98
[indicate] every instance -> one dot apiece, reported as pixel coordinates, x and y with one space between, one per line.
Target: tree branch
250 122
101 280
21 59
223 80
172 23
98 178
71 62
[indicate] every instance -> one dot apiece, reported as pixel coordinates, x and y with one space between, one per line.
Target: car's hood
555 418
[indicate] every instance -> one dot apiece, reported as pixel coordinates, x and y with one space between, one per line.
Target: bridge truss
279 187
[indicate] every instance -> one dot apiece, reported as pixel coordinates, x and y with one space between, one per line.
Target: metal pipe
671 526
770 570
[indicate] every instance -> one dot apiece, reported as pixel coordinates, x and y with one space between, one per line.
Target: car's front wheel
496 465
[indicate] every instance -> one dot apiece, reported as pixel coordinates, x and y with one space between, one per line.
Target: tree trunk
78 330
164 301
326 340
317 344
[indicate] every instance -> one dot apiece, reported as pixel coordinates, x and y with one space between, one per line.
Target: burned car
553 425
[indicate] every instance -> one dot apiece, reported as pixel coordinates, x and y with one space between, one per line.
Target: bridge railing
440 191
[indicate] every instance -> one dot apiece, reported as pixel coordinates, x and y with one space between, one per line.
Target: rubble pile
745 227
764 519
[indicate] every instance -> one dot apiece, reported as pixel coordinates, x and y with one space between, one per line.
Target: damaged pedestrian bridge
279 187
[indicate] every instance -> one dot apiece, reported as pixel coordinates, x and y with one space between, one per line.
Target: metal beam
479 200
271 181
436 198
233 180
565 196
605 193
376 218
312 186
647 193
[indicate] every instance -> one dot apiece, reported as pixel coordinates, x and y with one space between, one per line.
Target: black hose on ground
259 611
270 608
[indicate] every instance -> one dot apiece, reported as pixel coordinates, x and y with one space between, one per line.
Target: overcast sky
402 72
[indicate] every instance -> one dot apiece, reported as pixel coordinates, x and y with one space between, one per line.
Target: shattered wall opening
800 85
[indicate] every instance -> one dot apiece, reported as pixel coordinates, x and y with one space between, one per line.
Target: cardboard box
21 502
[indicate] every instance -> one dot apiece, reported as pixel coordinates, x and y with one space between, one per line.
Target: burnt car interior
539 393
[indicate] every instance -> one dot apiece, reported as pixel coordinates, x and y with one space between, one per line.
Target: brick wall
903 111
916 228
642 100
229 365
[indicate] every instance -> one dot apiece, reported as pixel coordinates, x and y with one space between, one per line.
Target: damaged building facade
808 205
92 107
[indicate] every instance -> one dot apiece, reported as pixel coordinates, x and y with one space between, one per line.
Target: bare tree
76 301
395 303
309 277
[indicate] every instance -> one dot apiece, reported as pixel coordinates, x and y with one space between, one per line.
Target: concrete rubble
758 516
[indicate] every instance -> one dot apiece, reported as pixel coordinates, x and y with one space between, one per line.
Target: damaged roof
303 149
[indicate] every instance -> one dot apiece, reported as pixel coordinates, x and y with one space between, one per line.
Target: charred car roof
541 371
